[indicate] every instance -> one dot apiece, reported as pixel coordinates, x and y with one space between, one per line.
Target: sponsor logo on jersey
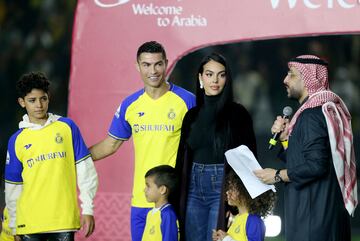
45 157
158 127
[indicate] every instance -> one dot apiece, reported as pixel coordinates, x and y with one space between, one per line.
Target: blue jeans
63 236
203 201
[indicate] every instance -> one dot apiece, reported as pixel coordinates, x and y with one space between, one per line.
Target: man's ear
21 102
137 66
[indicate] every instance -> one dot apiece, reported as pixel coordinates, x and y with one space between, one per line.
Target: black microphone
287 111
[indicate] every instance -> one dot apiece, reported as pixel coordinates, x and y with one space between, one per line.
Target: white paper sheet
243 161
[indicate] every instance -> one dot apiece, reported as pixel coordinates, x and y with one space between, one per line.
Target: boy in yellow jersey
6 234
46 160
153 117
161 221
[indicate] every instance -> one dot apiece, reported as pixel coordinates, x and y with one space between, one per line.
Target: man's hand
266 175
281 125
87 224
17 238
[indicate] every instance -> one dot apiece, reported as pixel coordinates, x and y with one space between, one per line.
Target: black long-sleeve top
242 133
202 133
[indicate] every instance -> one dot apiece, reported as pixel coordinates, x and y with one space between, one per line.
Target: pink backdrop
107 34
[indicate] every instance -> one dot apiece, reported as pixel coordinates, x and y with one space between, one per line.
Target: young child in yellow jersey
6 234
161 221
247 225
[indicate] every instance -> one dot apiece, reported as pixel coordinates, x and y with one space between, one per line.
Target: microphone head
287 111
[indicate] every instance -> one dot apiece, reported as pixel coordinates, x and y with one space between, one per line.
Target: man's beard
294 95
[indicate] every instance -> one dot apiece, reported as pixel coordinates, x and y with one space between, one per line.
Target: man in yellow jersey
46 160
153 116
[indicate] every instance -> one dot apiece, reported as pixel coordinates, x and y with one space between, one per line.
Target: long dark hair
222 126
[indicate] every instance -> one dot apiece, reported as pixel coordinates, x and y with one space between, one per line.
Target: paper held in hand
243 161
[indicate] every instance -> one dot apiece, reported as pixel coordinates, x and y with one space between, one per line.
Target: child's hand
87 225
218 235
214 235
221 234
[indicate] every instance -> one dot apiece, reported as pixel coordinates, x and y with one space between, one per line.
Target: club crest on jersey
171 114
58 138
152 230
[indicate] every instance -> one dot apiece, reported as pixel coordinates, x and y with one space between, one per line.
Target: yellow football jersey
43 161
161 225
155 126
247 227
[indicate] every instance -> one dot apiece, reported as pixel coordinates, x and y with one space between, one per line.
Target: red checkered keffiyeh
315 75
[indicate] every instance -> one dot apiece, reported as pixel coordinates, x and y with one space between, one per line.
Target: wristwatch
277 176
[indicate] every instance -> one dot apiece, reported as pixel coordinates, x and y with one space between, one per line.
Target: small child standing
247 224
161 221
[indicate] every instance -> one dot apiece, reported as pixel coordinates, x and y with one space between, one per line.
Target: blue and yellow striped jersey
155 126
43 161
247 227
161 225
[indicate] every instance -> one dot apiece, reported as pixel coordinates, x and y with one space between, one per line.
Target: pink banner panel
107 34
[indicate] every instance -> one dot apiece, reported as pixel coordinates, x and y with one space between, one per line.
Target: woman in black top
214 126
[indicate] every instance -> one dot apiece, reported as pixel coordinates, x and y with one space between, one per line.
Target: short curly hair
30 81
261 205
